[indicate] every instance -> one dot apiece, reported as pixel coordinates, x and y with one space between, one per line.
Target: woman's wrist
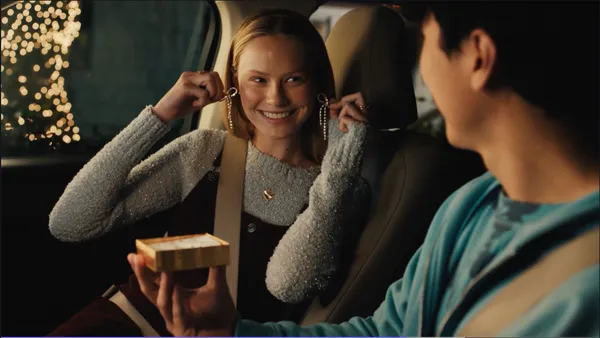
161 114
345 150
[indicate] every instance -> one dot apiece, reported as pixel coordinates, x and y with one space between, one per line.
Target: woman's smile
276 115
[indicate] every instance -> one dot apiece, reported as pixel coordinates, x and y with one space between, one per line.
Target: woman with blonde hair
302 193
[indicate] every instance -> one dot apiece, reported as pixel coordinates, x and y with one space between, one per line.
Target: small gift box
178 253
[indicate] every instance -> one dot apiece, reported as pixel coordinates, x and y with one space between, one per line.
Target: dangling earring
228 95
323 114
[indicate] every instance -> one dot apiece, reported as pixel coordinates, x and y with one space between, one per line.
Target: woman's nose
276 97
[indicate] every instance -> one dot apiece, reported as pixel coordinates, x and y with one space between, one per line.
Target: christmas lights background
36 40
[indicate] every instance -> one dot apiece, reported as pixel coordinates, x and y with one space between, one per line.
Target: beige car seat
410 174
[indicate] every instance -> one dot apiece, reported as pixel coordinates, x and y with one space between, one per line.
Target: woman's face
276 91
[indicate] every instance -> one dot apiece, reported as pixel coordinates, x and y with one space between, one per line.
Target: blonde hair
291 24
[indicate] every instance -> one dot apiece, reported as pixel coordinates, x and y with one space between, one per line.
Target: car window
75 73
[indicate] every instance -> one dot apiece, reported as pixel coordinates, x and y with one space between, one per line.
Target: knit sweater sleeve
307 257
114 189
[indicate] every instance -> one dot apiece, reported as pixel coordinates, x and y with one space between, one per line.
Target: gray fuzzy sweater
117 187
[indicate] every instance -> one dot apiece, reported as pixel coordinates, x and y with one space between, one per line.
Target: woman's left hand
350 109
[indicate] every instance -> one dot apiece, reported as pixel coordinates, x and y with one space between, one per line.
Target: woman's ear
235 82
484 58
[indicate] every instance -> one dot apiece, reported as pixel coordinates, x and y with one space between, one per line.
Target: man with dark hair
515 251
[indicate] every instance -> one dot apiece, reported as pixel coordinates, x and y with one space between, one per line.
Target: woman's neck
285 150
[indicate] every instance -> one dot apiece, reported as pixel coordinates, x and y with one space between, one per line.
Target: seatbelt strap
534 284
122 302
228 209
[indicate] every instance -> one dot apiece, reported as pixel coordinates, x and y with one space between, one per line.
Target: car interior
410 168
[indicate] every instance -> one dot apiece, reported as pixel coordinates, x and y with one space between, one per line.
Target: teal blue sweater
477 228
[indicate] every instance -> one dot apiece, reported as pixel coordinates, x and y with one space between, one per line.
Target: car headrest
366 49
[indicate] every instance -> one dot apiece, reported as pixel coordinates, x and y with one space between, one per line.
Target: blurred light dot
66 139
13 60
71 123
22 79
36 68
9 71
4 20
19 5
28 5
8 126
10 12
38 96
21 121
58 132
56 102
75 130
76 137
44 90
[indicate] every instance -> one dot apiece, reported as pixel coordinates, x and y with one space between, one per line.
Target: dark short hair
547 52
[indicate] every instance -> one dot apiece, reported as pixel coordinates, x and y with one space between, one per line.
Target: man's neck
534 161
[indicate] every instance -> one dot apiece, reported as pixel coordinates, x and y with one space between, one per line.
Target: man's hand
206 311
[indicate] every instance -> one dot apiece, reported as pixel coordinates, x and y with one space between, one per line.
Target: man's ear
482 50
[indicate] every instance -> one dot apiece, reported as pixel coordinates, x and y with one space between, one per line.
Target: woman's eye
294 79
258 80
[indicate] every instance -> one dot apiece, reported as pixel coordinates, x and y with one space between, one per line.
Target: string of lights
36 39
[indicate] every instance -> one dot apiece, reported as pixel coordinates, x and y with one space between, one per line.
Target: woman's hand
206 311
191 92
350 109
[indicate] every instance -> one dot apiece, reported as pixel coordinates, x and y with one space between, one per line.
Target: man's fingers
217 277
144 276
178 310
165 296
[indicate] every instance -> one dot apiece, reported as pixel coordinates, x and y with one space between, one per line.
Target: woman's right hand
193 91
